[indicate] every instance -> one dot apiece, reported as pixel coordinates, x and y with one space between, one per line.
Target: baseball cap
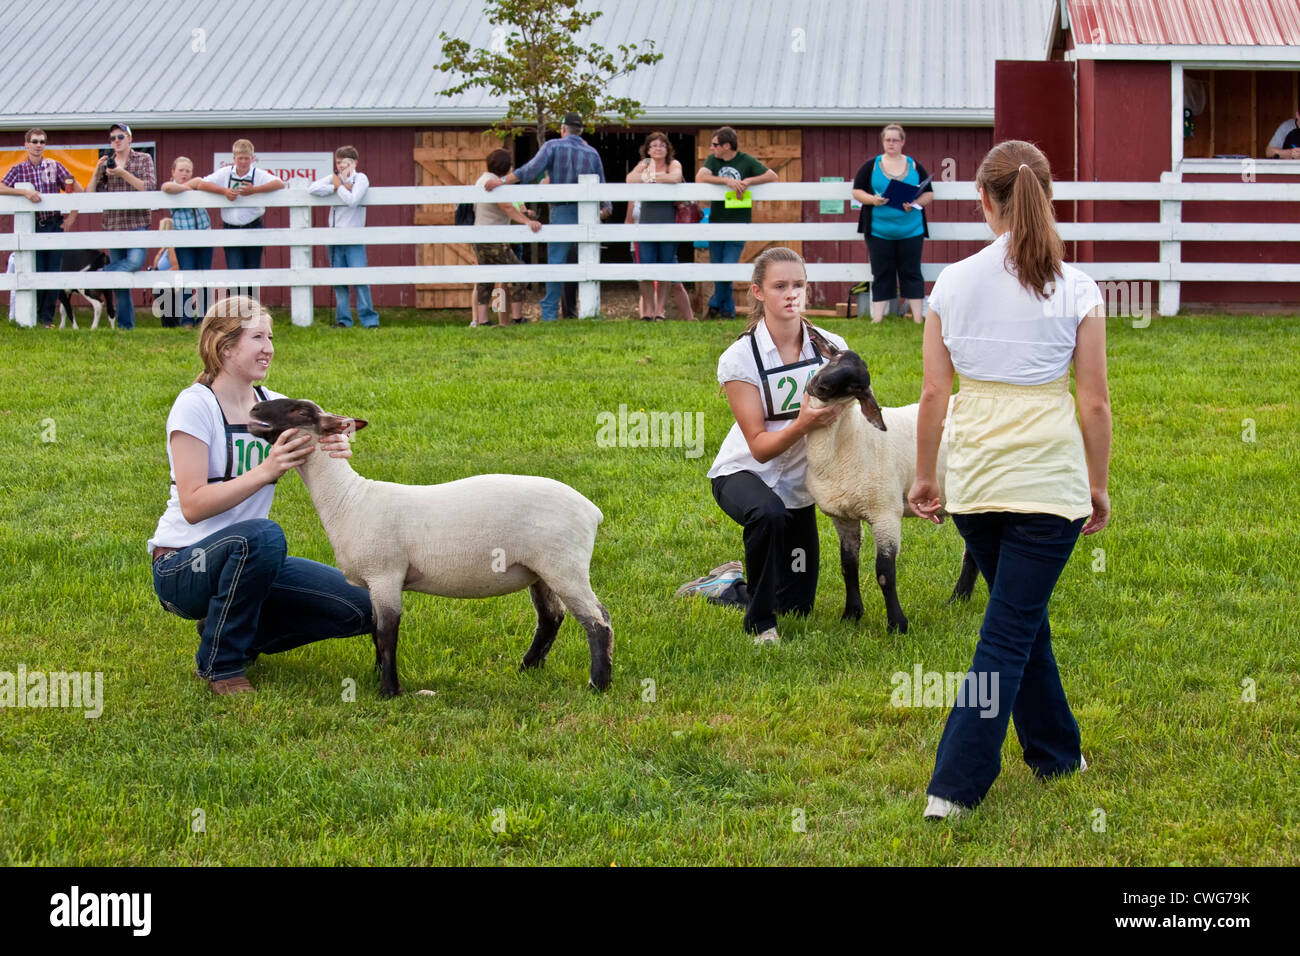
573 121
122 126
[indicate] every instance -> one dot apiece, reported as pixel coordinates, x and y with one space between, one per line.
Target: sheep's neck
330 481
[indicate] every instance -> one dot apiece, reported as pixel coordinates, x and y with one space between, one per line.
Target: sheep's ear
330 424
871 410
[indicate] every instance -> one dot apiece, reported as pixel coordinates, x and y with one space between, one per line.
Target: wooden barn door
779 149
447 158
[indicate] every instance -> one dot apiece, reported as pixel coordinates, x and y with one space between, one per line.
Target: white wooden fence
589 232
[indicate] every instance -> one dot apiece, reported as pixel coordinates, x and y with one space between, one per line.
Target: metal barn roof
179 63
1224 30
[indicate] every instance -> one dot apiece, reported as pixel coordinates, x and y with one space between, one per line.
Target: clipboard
746 201
898 192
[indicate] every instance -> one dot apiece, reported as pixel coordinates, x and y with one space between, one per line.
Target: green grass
1197 595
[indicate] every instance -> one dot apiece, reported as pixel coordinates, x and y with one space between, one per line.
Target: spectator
351 186
499 253
42 176
167 307
241 179
737 171
1023 475
894 236
658 165
1285 143
190 258
678 291
124 170
564 160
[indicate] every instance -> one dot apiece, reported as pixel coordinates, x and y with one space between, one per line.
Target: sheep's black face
843 378
271 419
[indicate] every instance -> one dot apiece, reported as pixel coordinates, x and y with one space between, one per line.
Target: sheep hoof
959 595
851 614
598 688
527 665
899 626
390 692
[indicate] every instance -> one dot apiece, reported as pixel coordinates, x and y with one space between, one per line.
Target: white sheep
858 473
473 538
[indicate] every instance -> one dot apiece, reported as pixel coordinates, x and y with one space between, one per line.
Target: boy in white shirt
241 179
351 186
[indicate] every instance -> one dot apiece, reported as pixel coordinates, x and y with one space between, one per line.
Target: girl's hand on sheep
337 445
924 499
811 418
290 450
1100 512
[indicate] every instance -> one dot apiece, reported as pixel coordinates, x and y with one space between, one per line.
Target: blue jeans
352 257
124 260
557 253
197 300
48 260
244 257
722 298
254 598
1021 557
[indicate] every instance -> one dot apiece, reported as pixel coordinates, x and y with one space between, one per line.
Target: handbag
688 212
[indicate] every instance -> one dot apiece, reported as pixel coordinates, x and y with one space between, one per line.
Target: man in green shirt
738 171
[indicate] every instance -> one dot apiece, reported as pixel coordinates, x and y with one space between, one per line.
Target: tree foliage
536 63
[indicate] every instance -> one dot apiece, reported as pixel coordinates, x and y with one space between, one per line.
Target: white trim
1263 167
1176 102
1219 55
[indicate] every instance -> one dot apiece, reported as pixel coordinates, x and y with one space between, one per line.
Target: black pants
895 266
781 554
48 260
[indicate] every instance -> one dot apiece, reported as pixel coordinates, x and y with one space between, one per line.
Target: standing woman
657 165
894 236
189 258
759 474
1023 474
217 558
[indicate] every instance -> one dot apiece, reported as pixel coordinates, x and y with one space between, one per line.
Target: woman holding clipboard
894 229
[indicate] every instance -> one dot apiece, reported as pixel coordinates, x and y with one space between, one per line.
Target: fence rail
589 233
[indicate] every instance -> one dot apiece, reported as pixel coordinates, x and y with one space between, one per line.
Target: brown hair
499 162
1017 182
645 147
888 128
726 136
221 328
34 131
346 152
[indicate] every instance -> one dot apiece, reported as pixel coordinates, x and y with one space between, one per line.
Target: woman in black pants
758 476
894 235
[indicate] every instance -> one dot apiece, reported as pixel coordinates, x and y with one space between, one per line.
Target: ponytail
1017 181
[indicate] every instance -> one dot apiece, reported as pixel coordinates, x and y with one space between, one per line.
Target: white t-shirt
785 473
1282 132
489 213
227 178
997 331
196 412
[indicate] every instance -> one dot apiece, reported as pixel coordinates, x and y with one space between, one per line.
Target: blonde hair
888 128
165 224
221 328
243 146
1017 180
182 159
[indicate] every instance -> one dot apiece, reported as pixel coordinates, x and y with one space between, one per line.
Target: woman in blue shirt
894 236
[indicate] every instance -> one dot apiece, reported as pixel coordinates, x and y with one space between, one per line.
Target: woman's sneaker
767 638
937 808
715 583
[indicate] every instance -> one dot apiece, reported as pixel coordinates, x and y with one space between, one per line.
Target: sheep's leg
888 534
550 614
966 579
850 533
387 604
577 595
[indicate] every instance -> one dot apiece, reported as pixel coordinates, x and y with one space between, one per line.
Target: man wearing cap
130 170
41 175
565 159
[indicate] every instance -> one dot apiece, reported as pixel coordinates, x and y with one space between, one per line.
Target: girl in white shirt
217 558
1023 474
758 475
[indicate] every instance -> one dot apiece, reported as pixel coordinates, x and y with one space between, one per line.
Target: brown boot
232 685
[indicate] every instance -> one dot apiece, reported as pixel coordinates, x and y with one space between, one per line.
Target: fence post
1171 253
24 300
588 253
300 296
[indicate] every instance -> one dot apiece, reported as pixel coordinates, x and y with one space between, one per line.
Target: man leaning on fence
46 176
565 159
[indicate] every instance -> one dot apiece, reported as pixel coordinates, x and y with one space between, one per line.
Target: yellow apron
1015 448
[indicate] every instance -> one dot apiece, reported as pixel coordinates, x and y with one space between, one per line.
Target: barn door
447 158
779 149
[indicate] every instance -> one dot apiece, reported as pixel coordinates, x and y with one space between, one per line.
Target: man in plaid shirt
49 177
565 159
130 170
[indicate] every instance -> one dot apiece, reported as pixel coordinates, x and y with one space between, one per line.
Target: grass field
1193 614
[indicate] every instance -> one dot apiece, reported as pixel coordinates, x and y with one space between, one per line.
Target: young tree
536 64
